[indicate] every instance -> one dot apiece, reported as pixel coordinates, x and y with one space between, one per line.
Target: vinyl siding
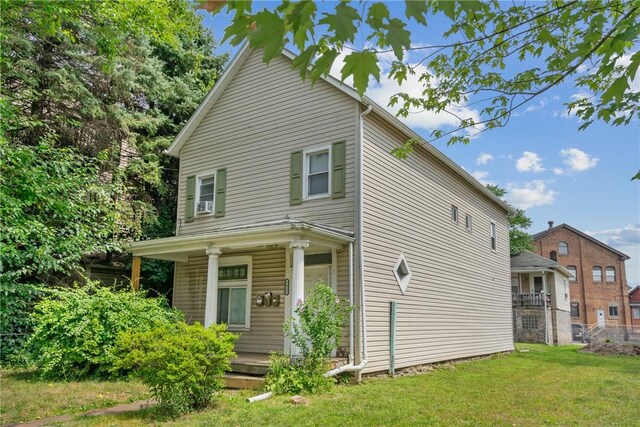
265 334
458 303
264 114
558 299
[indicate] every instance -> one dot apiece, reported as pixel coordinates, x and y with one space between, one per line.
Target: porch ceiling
267 234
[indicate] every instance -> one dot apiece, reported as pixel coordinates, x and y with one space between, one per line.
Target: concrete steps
234 380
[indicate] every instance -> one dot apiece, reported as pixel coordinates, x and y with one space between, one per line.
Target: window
206 194
575 309
468 222
515 285
611 274
493 236
563 248
402 272
573 271
553 256
538 286
613 310
234 292
597 274
454 214
636 313
317 173
529 322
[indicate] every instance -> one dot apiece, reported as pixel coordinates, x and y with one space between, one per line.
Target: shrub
316 333
76 329
16 323
292 377
182 364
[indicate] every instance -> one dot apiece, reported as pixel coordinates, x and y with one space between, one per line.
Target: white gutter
351 328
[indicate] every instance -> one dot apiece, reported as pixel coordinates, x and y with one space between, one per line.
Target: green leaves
268 33
361 65
342 22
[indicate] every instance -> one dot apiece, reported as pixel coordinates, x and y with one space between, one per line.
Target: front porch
251 278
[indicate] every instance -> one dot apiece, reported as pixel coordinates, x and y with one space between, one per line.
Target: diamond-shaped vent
402 272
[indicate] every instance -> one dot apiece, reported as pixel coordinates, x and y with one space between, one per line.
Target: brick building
634 302
598 283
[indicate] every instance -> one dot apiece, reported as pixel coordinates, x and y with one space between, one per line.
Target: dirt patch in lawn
613 349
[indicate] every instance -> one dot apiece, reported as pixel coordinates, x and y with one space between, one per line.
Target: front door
313 275
601 321
538 285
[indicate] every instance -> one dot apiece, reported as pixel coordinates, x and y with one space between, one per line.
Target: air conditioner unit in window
204 207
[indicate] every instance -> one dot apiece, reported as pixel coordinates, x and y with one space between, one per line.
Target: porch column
297 281
211 303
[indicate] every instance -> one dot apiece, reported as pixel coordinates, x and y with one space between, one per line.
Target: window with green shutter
338 160
190 205
221 192
295 178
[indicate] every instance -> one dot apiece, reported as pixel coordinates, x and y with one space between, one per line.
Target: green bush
287 377
76 329
16 323
182 364
316 333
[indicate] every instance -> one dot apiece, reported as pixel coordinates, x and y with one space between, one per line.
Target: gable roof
634 290
526 260
582 234
236 64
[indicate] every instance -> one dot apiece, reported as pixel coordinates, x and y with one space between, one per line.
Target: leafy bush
319 328
286 376
76 329
16 324
317 332
182 364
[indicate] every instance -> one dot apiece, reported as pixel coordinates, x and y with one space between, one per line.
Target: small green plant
182 364
287 376
76 329
316 332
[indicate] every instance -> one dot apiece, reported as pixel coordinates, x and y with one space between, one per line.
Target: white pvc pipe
263 396
351 328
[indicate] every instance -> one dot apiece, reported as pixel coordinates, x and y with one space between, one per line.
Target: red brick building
598 287
634 303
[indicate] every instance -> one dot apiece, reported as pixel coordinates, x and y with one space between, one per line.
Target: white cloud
529 162
484 158
628 235
578 160
482 176
382 91
558 171
543 102
534 193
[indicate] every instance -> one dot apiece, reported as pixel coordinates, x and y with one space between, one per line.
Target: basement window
529 323
402 272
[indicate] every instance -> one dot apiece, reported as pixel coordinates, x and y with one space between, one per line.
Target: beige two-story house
284 183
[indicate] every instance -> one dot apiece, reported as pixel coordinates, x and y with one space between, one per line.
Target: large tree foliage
519 222
92 93
498 55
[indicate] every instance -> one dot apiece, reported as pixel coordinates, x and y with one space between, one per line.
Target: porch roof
253 235
526 261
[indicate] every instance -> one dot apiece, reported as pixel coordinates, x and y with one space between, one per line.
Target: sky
548 167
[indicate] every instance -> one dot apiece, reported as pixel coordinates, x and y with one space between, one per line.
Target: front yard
545 385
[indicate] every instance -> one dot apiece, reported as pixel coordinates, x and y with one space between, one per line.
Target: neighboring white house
541 300
284 183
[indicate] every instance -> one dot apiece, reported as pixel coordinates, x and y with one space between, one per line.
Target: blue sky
548 167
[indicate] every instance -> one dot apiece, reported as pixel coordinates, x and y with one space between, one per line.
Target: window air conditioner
205 207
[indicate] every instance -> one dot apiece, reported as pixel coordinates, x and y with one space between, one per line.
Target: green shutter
190 205
338 164
295 181
221 192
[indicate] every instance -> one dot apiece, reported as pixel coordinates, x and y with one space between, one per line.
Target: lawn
23 397
545 385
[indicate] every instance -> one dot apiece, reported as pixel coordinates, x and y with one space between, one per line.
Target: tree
519 239
90 100
497 55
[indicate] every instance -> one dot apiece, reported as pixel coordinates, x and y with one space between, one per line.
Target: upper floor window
553 256
454 214
573 271
468 222
611 274
597 274
206 194
563 248
317 172
494 236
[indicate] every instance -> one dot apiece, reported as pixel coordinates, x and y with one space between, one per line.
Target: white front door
601 321
313 275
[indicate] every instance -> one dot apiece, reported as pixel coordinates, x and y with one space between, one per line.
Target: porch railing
531 300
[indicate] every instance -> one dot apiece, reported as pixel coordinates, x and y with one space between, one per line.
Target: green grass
23 397
546 385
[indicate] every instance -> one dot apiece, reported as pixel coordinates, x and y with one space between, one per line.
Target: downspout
350 367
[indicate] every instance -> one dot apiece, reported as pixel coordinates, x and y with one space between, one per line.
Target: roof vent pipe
550 224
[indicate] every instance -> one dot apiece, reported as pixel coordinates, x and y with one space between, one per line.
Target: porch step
249 368
233 380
